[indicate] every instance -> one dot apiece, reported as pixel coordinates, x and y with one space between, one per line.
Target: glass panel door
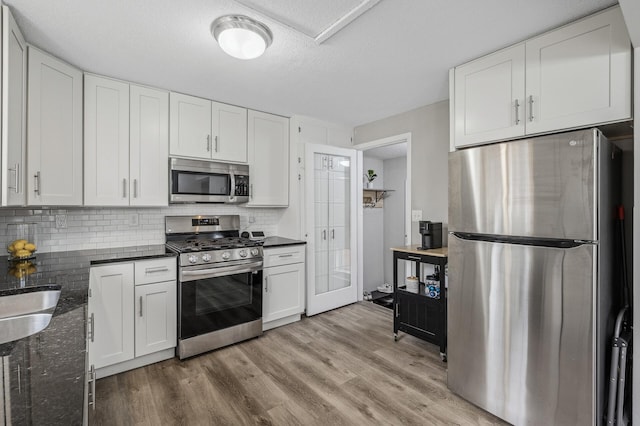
330 209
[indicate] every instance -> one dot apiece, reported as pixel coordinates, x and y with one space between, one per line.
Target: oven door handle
222 271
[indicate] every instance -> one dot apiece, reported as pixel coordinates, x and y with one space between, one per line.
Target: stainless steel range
220 282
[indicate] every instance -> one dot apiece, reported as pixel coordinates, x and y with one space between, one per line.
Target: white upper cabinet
312 130
580 74
229 130
190 126
576 76
126 144
106 142
208 130
149 146
54 131
268 160
14 96
489 97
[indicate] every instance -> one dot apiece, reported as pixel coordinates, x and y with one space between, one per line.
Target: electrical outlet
61 221
416 215
133 219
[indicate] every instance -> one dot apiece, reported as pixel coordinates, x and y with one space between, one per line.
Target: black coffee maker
431 234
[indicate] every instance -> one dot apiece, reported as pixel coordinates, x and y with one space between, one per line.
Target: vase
369 185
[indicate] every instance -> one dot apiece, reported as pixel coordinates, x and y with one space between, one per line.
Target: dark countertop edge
132 257
275 241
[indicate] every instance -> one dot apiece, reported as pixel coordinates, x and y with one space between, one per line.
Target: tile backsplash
62 229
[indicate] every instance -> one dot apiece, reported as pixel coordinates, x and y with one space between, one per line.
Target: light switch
416 215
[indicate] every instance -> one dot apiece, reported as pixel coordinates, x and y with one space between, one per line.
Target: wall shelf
372 197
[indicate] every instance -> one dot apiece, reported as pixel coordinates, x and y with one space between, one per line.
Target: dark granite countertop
46 371
281 241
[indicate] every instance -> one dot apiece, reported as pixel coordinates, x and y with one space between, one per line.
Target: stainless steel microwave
200 181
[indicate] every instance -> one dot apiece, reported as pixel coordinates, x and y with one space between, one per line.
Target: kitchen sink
15 328
28 301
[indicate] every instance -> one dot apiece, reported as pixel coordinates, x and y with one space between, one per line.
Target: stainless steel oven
220 282
219 306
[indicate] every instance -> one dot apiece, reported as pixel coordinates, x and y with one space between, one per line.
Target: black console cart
417 313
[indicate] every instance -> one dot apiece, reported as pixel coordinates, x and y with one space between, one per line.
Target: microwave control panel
242 186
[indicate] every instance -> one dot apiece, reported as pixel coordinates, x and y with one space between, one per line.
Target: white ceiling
392 58
387 152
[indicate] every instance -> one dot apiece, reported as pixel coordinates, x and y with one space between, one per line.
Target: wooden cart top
439 252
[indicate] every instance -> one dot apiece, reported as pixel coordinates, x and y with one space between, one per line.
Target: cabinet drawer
283 255
155 271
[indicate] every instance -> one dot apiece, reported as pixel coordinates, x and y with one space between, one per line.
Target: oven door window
200 183
215 303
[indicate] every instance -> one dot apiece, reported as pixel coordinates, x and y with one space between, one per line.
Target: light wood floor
337 368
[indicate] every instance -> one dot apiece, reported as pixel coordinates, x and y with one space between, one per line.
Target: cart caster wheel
443 357
395 337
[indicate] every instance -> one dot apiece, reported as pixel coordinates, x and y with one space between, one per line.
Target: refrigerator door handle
527 241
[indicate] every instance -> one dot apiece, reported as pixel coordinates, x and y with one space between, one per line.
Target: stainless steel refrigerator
531 291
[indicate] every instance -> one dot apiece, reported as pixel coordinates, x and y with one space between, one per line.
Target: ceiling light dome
241 36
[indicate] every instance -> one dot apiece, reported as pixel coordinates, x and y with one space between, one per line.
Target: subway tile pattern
97 228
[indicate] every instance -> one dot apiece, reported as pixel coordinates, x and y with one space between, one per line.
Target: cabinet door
149 147
489 97
268 160
579 74
54 131
229 129
106 142
283 291
14 97
156 317
190 126
111 307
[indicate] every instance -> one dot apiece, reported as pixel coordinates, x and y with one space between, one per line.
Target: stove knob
254 252
242 253
193 258
226 255
206 257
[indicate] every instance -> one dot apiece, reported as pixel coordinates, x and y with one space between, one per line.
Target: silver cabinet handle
414 258
36 183
92 375
286 255
517 106
331 163
397 310
16 170
325 163
333 234
216 147
124 188
531 117
208 143
156 269
140 306
266 284
92 320
251 191
324 234
135 188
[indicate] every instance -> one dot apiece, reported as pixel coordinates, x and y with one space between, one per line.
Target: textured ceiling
391 59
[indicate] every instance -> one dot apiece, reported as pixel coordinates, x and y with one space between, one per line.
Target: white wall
395 172
97 228
429 127
373 235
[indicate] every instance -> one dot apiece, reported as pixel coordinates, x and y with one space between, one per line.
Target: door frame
362 147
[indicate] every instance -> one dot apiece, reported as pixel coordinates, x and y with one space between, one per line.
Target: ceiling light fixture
241 36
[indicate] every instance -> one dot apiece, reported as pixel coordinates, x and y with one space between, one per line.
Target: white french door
330 193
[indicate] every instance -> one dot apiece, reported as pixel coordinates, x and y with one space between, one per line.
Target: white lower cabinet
283 285
133 321
155 317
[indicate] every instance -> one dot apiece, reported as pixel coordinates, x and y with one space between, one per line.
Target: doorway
384 211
